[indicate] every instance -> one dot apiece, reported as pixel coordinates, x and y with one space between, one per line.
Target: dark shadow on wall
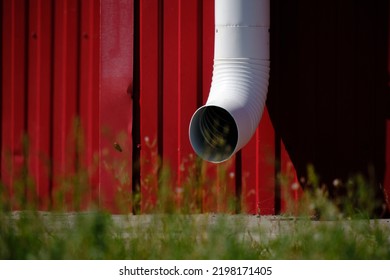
328 86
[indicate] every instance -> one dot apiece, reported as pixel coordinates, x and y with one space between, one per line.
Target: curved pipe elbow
239 85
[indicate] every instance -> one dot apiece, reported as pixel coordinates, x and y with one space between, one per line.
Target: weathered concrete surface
251 226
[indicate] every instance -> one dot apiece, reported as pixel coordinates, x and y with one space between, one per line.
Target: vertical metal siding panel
258 172
226 186
170 77
70 97
39 97
65 97
115 104
89 97
95 57
189 62
13 94
179 87
218 186
250 177
208 46
149 71
6 110
266 158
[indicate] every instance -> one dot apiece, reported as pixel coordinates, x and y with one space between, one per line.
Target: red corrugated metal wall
119 134
66 84
50 90
115 107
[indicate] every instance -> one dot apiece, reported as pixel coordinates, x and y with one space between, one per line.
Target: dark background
329 93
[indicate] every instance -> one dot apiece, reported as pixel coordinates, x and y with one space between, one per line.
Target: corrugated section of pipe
239 86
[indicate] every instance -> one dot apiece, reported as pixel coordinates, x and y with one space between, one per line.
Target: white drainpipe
239 86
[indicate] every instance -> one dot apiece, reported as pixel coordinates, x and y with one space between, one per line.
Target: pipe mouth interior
213 133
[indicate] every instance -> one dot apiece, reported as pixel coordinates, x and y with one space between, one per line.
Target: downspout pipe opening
213 133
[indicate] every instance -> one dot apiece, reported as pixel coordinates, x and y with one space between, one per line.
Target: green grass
99 235
181 232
